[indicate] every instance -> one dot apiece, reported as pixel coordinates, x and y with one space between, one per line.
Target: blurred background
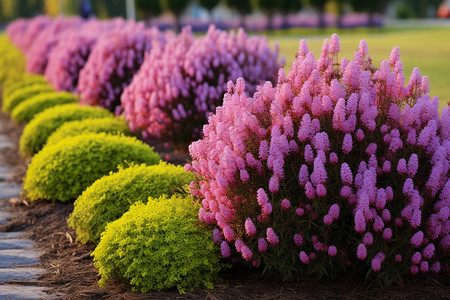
253 15
421 28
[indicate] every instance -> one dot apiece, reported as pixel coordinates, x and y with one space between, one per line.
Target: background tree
27 8
109 8
242 7
269 8
209 5
319 5
284 7
369 6
147 9
288 6
177 7
339 11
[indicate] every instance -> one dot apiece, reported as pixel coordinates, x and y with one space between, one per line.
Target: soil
70 268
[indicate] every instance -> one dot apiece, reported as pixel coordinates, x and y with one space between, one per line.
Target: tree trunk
371 21
340 14
270 25
242 20
285 22
177 23
321 12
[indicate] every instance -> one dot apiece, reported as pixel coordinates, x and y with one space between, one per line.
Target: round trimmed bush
340 167
18 96
111 125
114 60
63 171
16 30
11 61
159 245
111 196
70 54
45 42
26 80
36 133
25 38
27 109
176 88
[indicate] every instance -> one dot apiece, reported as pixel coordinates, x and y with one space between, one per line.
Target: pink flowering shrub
179 85
113 62
23 32
320 174
43 43
71 52
16 31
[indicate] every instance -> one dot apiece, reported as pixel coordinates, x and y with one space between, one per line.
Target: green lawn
428 49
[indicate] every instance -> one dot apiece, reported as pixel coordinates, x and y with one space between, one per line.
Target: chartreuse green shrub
159 245
27 79
36 132
20 95
63 171
111 196
111 125
12 60
27 109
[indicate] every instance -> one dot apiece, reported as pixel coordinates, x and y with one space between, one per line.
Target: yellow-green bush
159 245
12 61
27 109
20 95
111 196
36 132
111 125
63 171
27 79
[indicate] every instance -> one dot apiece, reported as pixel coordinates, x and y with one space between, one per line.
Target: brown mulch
70 269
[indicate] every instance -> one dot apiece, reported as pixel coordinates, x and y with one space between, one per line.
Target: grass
427 48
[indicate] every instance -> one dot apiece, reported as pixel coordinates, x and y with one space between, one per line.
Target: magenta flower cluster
113 62
47 39
23 32
72 50
177 87
338 162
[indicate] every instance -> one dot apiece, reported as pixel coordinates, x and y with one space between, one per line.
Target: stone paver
5 142
16 244
17 257
6 173
9 190
7 274
5 217
18 254
12 235
23 292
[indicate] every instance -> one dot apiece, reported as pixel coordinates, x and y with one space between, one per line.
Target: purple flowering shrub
43 43
71 52
338 167
114 60
179 85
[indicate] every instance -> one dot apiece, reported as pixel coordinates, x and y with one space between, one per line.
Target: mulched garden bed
70 269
